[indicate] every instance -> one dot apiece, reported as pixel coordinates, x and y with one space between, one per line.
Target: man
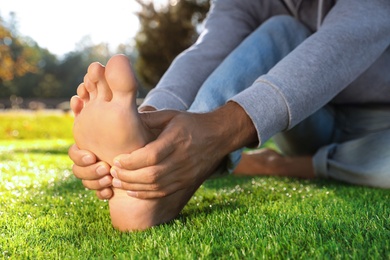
311 74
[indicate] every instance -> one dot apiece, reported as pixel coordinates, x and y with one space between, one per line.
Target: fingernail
88 159
117 164
106 193
101 170
105 182
114 173
116 183
132 193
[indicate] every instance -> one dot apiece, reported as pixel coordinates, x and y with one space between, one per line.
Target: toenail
116 183
88 159
101 171
106 193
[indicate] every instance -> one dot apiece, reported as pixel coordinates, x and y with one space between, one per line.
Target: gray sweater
346 60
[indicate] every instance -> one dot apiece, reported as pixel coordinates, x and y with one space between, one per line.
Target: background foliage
164 34
27 70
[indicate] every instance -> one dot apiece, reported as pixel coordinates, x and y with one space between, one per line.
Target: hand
94 175
181 157
188 150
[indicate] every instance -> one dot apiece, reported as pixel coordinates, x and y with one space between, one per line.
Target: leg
364 161
360 152
298 145
107 102
309 135
255 56
268 162
357 150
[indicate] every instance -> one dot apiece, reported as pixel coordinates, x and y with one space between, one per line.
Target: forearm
319 68
234 128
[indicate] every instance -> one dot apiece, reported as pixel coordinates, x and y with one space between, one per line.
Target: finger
157 119
147 175
105 193
147 184
156 189
99 184
143 109
81 157
169 190
149 155
155 178
92 172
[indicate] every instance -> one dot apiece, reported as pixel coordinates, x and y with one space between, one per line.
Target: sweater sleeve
227 24
353 35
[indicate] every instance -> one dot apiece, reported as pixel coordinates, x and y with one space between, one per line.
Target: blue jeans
349 143
320 134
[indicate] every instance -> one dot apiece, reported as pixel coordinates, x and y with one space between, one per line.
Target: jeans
360 158
255 56
348 143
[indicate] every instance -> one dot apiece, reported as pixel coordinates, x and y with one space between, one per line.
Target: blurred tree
17 55
53 77
73 67
30 84
165 33
26 70
23 63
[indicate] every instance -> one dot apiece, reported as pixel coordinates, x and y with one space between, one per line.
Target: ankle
296 166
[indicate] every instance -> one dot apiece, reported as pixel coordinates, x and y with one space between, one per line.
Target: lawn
45 212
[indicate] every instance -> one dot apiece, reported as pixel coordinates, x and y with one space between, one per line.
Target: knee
287 24
282 20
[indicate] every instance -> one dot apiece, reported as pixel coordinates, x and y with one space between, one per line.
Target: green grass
45 212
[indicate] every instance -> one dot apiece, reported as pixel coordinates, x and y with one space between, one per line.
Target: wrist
235 128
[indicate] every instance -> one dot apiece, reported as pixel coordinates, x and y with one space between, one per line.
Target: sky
60 25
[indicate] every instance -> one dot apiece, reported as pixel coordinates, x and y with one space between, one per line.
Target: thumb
158 119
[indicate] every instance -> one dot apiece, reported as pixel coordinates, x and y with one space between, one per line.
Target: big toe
119 76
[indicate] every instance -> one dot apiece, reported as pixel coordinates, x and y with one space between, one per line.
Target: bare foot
107 123
268 162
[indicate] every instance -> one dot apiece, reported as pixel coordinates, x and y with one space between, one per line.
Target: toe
96 75
76 104
90 87
82 92
95 71
120 76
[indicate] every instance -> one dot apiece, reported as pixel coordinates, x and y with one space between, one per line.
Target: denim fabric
348 143
255 56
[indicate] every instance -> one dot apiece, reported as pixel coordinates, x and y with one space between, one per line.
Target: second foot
267 162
